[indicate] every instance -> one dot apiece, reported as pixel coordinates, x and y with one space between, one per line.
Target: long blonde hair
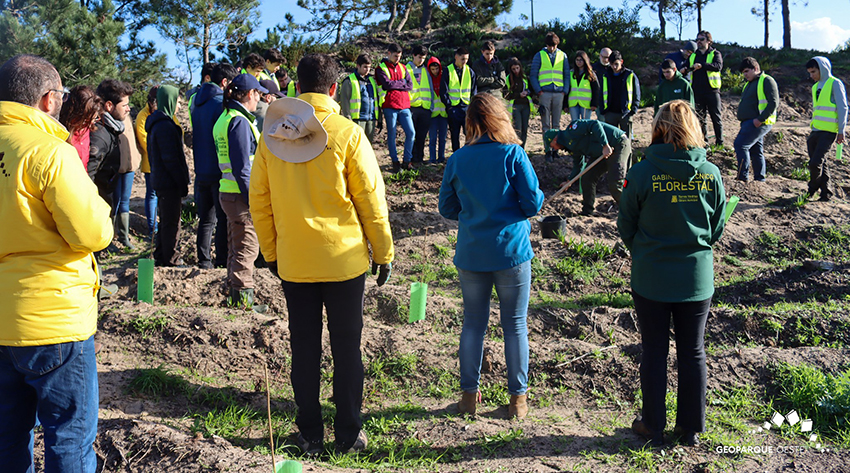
487 115
677 123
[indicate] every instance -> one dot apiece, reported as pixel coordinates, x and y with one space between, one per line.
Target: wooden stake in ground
269 412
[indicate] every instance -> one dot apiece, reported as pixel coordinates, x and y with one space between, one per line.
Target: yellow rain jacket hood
53 219
314 218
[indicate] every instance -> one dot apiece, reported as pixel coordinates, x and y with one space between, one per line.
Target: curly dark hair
81 109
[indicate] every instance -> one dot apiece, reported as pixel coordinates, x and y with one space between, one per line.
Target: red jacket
398 85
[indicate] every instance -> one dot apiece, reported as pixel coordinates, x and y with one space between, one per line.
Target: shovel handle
573 180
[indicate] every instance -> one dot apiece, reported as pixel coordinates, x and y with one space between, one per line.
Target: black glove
386 271
272 265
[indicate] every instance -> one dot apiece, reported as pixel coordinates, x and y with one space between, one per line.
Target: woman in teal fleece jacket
671 213
491 189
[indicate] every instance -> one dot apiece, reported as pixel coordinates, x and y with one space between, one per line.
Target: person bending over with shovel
608 147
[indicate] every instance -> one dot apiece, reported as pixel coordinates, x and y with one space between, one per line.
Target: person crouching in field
490 187
671 213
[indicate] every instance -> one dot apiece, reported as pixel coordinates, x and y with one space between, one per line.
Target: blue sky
815 26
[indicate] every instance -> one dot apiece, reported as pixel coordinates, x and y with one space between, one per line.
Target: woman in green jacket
671 213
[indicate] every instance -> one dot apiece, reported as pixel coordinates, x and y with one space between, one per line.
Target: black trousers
689 326
210 215
457 121
710 102
169 204
818 144
421 124
343 302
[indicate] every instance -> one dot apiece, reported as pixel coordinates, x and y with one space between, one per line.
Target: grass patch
404 177
157 382
148 324
817 395
800 174
818 242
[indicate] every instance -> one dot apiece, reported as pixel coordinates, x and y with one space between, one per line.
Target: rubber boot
518 408
468 403
122 224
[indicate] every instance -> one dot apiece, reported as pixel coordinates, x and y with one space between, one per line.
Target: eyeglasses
64 91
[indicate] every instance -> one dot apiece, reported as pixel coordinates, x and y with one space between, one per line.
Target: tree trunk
786 24
662 4
699 15
393 15
766 23
425 24
205 48
404 17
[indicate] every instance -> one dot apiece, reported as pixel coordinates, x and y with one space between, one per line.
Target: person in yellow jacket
318 204
829 119
53 221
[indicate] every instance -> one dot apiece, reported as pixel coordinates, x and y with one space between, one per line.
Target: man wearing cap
679 58
273 94
594 138
236 138
317 198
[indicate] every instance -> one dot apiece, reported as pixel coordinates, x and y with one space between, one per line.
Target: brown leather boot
468 403
518 408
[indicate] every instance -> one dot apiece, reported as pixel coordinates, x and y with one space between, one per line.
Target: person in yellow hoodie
53 220
318 202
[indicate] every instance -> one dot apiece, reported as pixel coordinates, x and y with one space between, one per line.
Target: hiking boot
685 437
656 439
360 444
408 165
468 402
310 448
518 408
825 198
396 168
205 265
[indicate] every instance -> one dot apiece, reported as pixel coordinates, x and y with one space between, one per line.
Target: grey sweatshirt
839 96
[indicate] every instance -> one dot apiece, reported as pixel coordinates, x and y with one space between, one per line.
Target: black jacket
169 171
490 77
105 155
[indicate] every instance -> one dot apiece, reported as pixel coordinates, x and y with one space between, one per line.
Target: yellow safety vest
222 146
459 89
580 92
266 76
290 89
420 95
511 102
355 101
714 80
551 73
630 91
245 71
824 113
763 99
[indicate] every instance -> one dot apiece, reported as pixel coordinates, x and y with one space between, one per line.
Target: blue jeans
121 196
579 113
749 146
150 205
512 287
57 383
403 118
439 127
